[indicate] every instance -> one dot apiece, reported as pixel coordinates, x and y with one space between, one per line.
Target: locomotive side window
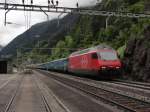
94 56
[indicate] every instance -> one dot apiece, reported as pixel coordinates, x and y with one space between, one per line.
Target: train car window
94 56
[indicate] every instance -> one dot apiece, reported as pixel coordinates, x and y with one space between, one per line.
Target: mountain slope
48 30
1 47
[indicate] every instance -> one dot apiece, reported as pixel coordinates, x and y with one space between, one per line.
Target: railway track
140 93
42 93
7 82
5 91
124 102
145 86
16 99
73 100
52 103
27 93
8 106
134 82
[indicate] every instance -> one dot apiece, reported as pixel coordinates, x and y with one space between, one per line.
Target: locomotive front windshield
108 56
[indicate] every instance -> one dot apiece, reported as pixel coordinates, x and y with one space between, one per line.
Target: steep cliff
137 57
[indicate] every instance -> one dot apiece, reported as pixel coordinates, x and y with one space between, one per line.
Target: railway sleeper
143 110
122 100
141 106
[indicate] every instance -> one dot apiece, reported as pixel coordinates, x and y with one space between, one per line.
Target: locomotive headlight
103 67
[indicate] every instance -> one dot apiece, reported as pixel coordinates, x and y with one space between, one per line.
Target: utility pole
17 60
5 4
107 21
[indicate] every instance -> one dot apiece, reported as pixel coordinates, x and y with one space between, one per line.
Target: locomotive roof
51 61
59 59
99 47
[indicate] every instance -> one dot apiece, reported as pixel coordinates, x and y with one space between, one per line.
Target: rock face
137 58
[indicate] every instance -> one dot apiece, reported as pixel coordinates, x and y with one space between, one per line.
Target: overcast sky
19 18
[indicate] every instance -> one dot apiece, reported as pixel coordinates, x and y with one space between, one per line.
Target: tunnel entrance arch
3 67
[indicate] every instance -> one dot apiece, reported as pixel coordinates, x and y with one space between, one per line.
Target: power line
50 48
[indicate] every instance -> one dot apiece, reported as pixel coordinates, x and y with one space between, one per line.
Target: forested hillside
91 30
45 32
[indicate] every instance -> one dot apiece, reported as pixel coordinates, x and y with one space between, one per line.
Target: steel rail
7 82
107 86
47 107
39 84
98 96
8 106
132 85
46 104
121 100
134 82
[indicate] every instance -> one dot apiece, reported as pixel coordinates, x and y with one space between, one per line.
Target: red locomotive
101 60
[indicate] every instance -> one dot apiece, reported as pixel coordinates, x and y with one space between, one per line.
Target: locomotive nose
110 64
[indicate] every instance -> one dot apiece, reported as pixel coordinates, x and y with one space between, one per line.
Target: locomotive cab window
94 56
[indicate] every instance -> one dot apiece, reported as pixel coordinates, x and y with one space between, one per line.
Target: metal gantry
83 11
55 9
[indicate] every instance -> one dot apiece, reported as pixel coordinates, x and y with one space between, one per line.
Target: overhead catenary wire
25 16
30 19
30 15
